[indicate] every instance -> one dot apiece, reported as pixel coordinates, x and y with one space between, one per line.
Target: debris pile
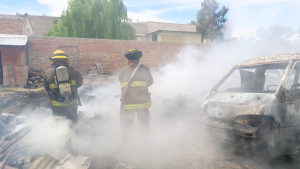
15 100
35 77
11 133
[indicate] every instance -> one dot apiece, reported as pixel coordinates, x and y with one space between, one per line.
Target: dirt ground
198 150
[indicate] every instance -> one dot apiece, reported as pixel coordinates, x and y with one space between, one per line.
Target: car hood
228 105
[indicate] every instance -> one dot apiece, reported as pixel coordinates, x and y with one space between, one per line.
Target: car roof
269 60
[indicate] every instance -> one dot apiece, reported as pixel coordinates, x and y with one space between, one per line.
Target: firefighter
137 99
61 82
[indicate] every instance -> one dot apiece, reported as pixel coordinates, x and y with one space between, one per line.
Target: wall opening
154 37
1 69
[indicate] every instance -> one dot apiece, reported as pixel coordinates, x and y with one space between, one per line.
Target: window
154 37
273 77
256 79
232 82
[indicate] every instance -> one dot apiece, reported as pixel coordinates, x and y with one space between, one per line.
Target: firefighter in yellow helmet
61 82
137 99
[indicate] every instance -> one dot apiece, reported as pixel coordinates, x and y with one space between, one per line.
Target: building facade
22 47
14 33
175 36
143 29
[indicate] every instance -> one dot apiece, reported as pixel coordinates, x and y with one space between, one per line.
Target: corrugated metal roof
13 40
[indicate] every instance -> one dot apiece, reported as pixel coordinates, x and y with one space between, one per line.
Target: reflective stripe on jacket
135 83
53 90
138 96
53 85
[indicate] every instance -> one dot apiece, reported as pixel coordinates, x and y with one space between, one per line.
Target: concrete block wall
41 24
16 77
5 76
21 75
15 70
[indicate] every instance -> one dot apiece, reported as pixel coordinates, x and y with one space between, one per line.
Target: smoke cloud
172 143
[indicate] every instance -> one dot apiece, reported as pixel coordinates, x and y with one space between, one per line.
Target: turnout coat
138 96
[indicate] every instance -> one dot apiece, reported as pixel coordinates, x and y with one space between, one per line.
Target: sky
246 15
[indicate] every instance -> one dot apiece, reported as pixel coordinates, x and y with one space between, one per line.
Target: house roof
13 40
269 59
183 32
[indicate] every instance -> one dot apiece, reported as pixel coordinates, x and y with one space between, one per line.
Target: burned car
257 104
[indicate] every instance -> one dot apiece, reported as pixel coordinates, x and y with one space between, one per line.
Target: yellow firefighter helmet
59 55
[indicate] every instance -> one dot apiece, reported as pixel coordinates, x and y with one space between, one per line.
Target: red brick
108 52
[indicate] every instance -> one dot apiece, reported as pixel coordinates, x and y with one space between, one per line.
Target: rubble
69 161
13 100
11 133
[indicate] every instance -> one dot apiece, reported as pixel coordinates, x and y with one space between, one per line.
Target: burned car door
290 98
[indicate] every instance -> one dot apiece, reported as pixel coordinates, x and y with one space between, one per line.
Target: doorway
1 70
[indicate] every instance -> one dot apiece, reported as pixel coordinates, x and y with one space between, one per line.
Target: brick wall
12 24
11 55
109 52
41 24
15 71
15 75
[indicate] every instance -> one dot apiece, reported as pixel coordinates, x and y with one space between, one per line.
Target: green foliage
210 21
102 19
57 30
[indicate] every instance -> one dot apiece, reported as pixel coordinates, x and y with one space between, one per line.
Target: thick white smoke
192 73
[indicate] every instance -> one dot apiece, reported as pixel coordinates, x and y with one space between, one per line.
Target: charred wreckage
257 104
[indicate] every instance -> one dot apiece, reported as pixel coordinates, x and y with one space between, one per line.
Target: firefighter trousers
143 117
68 112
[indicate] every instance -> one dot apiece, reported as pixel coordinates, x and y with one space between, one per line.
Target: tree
57 30
210 21
102 19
